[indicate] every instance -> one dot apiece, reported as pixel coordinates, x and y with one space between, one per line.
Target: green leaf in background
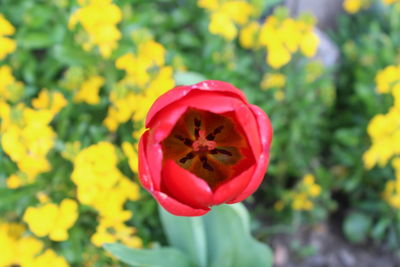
356 226
229 241
160 257
186 234
185 78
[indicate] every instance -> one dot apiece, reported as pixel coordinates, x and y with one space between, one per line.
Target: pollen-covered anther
202 144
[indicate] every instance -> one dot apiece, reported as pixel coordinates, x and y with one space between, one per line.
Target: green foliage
220 238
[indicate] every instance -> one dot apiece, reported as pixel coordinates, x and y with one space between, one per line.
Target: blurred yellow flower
10 89
386 78
105 188
132 155
352 6
222 25
89 90
225 15
99 19
303 196
52 220
273 80
248 35
7 45
17 249
54 101
284 36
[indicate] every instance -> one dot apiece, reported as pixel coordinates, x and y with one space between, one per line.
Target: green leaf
356 226
185 78
186 234
160 257
229 241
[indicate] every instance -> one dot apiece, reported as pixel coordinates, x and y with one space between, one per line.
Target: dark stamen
188 142
218 129
207 166
179 137
214 151
225 152
210 137
197 122
186 158
196 132
203 159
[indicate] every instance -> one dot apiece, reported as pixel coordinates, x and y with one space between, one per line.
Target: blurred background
77 78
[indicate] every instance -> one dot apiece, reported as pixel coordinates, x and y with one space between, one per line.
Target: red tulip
205 145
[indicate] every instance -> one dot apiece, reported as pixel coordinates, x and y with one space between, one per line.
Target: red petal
177 208
144 171
185 187
265 132
179 92
228 191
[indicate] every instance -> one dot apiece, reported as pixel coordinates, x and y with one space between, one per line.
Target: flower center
202 144
209 145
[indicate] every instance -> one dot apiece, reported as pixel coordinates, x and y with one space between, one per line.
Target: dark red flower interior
211 146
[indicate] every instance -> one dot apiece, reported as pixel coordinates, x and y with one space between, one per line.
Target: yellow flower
278 56
222 25
273 80
52 220
309 44
7 45
48 259
89 90
10 89
208 4
14 181
54 101
248 35
352 6
132 155
5 26
386 78
99 19
17 249
279 95
237 11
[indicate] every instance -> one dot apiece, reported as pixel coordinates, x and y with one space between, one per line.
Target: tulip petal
229 190
265 132
184 186
179 92
175 207
144 171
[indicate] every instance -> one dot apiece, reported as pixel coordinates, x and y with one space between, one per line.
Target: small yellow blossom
132 155
352 6
99 19
208 4
386 78
221 24
106 189
248 35
7 45
273 80
89 90
52 220
10 89
279 95
18 249
54 101
14 181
